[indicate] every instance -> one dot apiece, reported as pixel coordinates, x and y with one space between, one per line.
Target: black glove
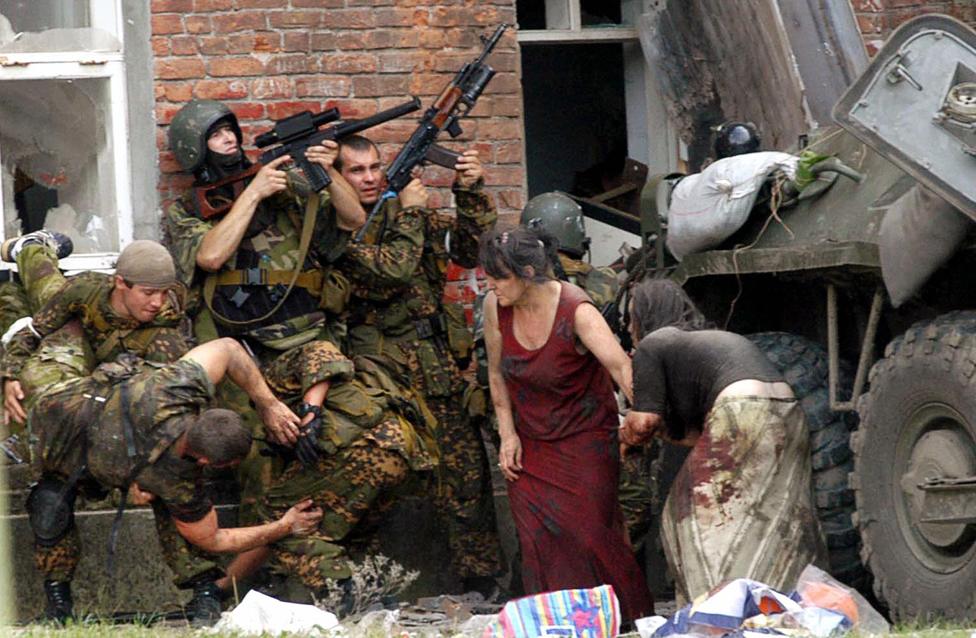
307 448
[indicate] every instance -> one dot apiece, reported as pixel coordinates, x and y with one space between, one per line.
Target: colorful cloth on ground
565 500
575 613
397 277
740 506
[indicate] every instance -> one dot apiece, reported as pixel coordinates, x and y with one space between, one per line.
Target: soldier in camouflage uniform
563 218
260 271
397 275
143 426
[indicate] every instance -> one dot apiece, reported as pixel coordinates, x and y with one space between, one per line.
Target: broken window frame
86 65
564 25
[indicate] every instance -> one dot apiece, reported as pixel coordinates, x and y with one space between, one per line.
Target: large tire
918 420
804 364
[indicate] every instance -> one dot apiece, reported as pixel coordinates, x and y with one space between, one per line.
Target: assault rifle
455 101
295 134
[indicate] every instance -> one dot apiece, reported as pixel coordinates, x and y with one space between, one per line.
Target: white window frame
78 65
564 25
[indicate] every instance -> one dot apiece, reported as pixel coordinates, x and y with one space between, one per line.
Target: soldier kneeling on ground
145 427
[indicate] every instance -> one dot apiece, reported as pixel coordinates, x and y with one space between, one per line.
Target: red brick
349 19
378 39
296 41
198 24
482 108
172 6
448 16
220 90
512 199
167 23
437 176
228 67
353 108
168 163
160 46
505 105
433 39
451 62
184 45
508 152
404 62
267 88
400 17
462 38
260 4
389 101
239 21
428 83
279 110
290 63
214 45
248 110
870 23
323 85
287 19
165 112
396 131
176 92
504 83
345 42
348 63
321 41
496 129
203 6
870 6
263 42
503 60
317 4
364 3
179 69
379 85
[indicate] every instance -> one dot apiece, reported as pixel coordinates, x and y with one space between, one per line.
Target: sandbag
708 207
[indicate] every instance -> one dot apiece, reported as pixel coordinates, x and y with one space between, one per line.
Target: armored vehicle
871 270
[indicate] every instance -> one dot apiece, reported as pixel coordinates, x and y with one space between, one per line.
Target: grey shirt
678 374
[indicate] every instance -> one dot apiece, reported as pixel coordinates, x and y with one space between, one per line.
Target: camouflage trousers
464 493
740 507
636 492
347 485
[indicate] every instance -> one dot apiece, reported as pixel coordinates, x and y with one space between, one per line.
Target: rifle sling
211 282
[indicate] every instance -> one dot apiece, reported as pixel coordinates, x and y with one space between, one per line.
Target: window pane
56 160
38 26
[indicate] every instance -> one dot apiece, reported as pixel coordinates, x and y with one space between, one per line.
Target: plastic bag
708 207
577 613
816 588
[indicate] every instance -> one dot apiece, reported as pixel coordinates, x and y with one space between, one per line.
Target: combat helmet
736 138
189 128
560 216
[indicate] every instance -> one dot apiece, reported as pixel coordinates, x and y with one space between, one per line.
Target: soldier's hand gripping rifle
296 134
457 98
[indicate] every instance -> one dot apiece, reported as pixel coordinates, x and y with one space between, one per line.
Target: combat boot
58 242
59 603
204 608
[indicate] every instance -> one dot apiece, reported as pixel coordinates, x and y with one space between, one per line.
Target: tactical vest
263 267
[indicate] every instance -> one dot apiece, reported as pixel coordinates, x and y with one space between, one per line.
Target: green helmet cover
188 131
561 217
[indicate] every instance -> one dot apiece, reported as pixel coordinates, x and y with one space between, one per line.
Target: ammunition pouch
336 291
430 326
459 336
51 509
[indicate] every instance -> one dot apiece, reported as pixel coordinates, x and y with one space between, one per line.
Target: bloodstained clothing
564 502
678 374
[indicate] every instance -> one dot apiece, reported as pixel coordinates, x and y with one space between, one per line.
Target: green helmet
189 128
561 217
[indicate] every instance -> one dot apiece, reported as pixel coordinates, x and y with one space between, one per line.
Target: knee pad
51 510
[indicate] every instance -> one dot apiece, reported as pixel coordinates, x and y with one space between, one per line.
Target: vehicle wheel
918 421
804 364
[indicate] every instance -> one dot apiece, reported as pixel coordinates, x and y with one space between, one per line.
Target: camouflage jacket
86 297
85 417
270 245
397 277
601 284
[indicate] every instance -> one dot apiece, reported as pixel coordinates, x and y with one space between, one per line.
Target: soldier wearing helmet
263 270
562 218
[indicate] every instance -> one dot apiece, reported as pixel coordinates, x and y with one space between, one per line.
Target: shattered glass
43 26
56 165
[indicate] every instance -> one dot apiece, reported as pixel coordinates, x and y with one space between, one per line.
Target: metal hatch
916 105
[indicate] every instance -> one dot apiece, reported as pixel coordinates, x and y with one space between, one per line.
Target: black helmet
189 129
559 216
736 138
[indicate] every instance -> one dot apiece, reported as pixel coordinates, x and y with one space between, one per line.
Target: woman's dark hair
659 303
507 253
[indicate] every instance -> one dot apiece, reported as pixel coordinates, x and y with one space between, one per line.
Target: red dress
564 502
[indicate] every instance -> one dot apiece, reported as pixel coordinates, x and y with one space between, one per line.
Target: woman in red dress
551 357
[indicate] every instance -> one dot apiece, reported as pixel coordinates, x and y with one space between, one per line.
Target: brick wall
270 58
877 18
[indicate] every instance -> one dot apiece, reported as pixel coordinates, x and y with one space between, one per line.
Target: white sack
261 614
